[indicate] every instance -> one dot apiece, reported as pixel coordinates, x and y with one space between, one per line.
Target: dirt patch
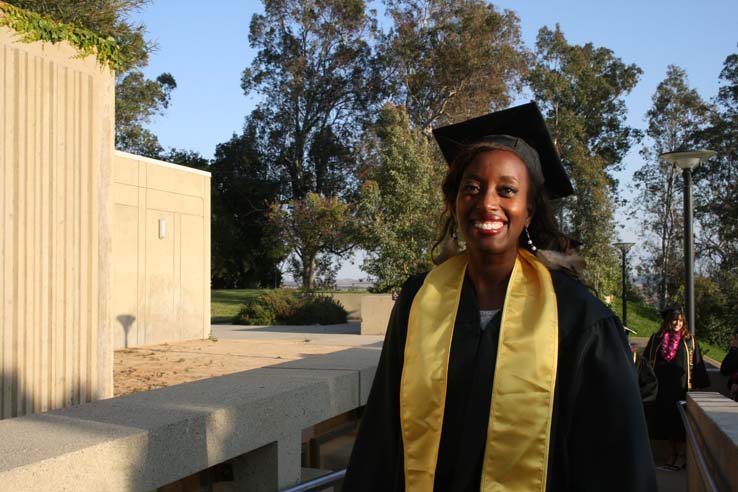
156 366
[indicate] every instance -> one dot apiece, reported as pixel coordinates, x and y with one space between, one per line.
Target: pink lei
670 345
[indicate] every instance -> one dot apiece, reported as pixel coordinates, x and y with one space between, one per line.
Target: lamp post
624 248
686 161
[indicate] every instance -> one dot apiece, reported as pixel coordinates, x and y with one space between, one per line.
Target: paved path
348 334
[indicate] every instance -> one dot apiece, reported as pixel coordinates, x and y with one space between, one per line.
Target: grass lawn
225 304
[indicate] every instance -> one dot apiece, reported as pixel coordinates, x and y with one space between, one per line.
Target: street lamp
624 248
687 161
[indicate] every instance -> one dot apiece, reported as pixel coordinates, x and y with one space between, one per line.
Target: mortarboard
520 128
670 311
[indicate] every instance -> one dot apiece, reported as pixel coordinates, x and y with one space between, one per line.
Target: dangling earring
453 233
530 241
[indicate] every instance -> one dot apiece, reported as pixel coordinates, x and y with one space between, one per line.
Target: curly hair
544 229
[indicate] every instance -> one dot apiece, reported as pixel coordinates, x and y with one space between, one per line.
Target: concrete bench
147 440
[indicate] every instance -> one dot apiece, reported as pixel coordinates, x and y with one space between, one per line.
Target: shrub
267 308
322 310
280 306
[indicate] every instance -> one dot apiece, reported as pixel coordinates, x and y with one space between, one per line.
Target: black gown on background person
664 421
598 442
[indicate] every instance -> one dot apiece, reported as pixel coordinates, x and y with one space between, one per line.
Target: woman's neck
490 274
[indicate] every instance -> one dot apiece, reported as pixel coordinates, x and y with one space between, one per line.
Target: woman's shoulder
579 309
410 288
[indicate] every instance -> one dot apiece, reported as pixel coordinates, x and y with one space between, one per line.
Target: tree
189 158
401 202
581 91
452 60
137 99
444 62
315 71
676 114
245 248
716 181
716 211
313 228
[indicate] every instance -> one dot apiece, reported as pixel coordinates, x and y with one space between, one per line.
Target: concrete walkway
348 334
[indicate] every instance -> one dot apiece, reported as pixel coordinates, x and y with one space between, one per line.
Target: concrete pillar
272 467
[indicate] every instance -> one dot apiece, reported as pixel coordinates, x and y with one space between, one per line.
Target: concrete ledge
715 419
147 440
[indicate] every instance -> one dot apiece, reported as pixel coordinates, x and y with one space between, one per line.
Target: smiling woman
500 370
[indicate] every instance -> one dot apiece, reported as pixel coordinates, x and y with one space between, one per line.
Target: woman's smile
492 203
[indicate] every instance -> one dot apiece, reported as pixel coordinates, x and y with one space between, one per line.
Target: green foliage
37 27
285 307
246 250
676 114
315 72
643 318
452 60
138 100
225 304
581 90
189 158
322 310
400 203
312 228
269 307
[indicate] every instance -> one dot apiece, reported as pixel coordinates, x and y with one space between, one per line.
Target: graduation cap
670 310
523 130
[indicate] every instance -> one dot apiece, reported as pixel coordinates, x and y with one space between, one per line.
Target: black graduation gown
647 381
664 421
599 439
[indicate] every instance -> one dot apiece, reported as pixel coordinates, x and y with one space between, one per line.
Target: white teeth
488 226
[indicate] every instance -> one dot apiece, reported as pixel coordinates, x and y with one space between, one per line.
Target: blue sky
205 47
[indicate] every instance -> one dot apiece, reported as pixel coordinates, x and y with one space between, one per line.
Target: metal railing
318 483
707 480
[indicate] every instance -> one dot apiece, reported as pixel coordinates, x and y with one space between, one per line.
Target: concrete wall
150 439
350 302
715 421
162 284
375 313
56 145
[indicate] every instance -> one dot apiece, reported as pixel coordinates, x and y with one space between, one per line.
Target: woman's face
677 323
492 203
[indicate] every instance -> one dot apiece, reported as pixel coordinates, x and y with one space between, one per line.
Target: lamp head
624 247
687 160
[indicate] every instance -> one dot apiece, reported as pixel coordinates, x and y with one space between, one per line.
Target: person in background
677 361
729 366
500 370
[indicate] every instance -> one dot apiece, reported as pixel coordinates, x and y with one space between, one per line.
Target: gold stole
689 362
519 428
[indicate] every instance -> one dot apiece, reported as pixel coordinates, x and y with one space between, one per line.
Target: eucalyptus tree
444 61
676 114
315 73
716 212
452 59
581 91
137 99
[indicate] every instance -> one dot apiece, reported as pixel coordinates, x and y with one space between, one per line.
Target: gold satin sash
519 428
